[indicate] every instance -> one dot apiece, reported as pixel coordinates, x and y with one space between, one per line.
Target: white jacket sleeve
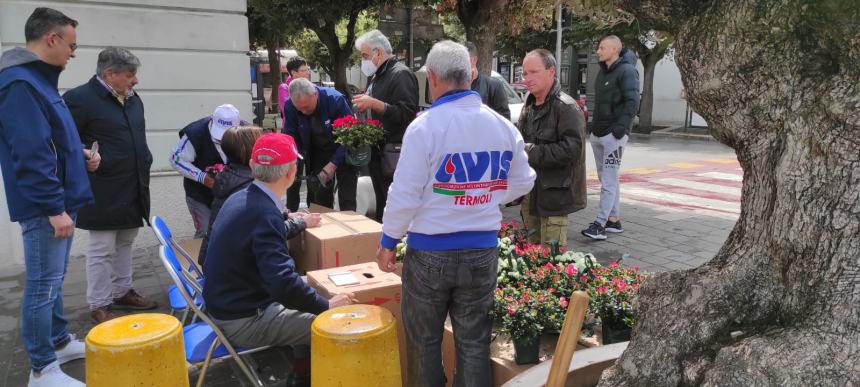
406 193
521 176
182 159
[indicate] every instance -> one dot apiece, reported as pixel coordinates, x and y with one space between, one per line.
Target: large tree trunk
779 81
481 29
273 46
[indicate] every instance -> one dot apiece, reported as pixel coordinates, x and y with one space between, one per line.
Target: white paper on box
343 278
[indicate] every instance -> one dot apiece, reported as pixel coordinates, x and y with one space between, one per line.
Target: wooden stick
568 338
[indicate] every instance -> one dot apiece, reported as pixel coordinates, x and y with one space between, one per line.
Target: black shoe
614 227
595 231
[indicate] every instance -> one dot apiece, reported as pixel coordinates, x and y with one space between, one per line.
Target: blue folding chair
204 341
177 303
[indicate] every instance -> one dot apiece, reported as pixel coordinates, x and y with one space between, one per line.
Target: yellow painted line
641 171
722 161
686 165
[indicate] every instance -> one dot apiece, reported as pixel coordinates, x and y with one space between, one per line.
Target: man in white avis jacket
460 160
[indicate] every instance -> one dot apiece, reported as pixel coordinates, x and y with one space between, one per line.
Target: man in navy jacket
109 112
252 289
308 118
45 178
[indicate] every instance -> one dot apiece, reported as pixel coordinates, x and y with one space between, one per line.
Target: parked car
353 89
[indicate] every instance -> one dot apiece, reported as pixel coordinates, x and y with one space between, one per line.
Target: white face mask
367 66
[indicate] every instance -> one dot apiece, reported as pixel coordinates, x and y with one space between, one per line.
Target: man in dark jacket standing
109 113
308 118
45 178
491 90
553 128
616 103
392 97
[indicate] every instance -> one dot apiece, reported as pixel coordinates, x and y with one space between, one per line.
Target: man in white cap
198 156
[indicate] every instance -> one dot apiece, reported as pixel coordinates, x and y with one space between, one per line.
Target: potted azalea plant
611 290
358 135
524 314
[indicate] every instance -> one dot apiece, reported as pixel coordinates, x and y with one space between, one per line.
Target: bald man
616 103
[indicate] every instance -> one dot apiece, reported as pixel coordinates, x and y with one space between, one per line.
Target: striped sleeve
182 159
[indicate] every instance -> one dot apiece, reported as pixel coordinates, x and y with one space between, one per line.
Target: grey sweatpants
607 156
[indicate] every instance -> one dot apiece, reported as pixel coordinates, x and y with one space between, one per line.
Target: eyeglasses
73 46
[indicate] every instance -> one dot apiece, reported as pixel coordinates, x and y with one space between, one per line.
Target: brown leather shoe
132 300
102 314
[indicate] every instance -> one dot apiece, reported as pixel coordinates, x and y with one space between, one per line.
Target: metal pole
558 41
411 41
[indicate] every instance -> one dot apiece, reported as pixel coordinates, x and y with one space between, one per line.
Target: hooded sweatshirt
40 150
616 96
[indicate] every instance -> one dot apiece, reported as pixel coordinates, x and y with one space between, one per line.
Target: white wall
193 55
669 107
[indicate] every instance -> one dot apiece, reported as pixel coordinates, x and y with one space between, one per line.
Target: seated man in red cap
252 289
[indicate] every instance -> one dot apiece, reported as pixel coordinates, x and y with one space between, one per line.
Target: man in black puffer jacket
616 103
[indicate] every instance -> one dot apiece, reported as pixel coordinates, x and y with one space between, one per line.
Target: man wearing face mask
108 112
392 98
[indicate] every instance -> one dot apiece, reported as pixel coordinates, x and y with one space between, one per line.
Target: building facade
194 56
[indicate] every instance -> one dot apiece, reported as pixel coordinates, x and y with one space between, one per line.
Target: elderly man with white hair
308 118
392 98
460 161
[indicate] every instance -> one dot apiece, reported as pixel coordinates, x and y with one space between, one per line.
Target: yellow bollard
355 345
137 350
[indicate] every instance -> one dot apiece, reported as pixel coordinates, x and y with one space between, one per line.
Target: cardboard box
297 245
502 354
374 287
342 239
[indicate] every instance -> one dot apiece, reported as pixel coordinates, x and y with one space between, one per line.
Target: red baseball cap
274 149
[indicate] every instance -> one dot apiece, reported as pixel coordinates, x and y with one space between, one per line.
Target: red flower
613 264
345 121
373 122
511 311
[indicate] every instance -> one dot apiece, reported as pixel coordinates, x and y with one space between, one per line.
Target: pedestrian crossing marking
722 161
722 176
641 171
683 199
686 165
699 186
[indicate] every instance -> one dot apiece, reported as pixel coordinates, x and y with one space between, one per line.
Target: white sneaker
74 350
53 376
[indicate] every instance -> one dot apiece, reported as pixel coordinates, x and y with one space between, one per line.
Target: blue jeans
42 322
438 283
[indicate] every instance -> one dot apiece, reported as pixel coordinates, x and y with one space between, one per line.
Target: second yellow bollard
355 345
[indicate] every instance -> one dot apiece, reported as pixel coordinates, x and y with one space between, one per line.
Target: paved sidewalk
681 229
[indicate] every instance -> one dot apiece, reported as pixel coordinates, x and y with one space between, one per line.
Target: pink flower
563 302
601 289
549 265
613 264
511 311
571 270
